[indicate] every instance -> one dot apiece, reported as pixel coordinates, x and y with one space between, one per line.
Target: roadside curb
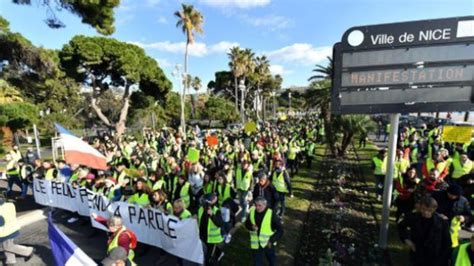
32 217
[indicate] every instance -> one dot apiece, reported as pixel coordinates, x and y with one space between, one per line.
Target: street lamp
180 77
273 93
242 91
257 103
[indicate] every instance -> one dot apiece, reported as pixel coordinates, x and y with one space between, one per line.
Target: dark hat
118 253
455 190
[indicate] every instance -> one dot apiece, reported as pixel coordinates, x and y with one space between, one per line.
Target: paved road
92 241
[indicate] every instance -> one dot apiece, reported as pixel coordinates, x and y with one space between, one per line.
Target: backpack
133 238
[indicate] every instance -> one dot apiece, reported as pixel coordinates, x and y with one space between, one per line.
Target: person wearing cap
282 183
9 230
210 223
141 194
30 156
265 189
452 204
379 165
265 230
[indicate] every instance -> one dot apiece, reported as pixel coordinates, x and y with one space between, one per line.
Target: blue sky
294 34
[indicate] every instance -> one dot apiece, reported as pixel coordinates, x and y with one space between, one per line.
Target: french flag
65 252
76 151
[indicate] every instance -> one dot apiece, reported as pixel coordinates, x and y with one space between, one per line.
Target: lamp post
258 103
273 93
180 77
242 91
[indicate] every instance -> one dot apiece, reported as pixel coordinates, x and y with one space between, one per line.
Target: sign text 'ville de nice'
153 227
416 66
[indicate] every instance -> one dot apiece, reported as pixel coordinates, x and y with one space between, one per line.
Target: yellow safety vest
454 231
292 152
184 193
114 243
461 169
261 238
158 184
185 214
243 183
49 174
223 194
380 166
12 168
214 235
430 165
278 182
10 227
462 259
141 200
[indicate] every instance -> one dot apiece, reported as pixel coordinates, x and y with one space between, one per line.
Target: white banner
152 227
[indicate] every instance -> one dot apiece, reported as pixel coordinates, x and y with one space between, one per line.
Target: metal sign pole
35 132
388 186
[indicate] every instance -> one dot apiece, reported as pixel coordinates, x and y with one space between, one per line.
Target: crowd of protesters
239 177
433 193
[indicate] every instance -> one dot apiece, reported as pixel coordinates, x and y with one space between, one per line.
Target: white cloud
235 3
272 22
162 62
197 49
222 47
162 20
301 53
279 70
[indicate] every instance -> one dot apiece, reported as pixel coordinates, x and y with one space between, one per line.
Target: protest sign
250 127
193 155
152 227
457 134
212 141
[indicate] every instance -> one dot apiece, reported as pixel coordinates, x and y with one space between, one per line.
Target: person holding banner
141 195
180 211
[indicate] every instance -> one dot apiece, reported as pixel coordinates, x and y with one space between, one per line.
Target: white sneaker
72 220
227 238
220 256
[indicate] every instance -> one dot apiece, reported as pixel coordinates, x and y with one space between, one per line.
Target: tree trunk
346 141
183 93
120 126
236 94
99 113
328 128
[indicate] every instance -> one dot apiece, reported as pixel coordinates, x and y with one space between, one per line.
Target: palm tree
262 72
190 21
322 72
350 126
235 55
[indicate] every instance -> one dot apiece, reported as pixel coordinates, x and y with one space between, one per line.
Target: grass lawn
398 252
239 251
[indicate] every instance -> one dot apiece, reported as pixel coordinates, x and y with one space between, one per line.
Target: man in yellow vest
9 230
210 223
119 235
460 166
265 230
13 174
464 254
282 183
379 165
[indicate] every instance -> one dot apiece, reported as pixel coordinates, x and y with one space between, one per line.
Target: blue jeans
281 204
13 179
24 187
260 254
244 204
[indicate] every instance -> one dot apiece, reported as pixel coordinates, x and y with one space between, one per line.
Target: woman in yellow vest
243 182
181 190
9 230
141 195
265 230
180 211
379 165
159 201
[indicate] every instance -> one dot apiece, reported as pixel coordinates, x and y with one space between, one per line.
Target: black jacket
452 208
268 192
203 225
431 238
